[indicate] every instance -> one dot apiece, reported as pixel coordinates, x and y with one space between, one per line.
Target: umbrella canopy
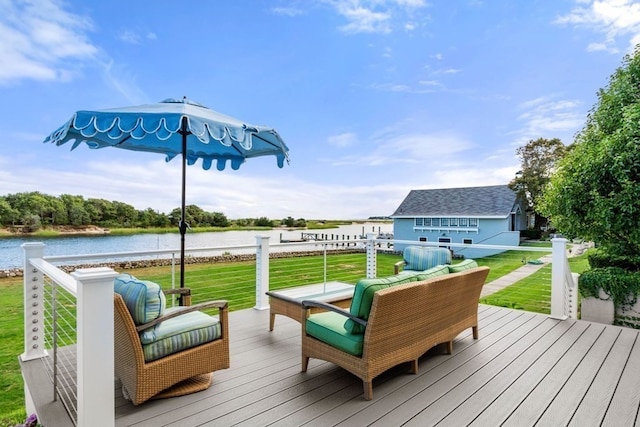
174 127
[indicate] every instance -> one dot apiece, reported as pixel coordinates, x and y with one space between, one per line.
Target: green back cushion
363 296
462 266
143 298
423 258
438 270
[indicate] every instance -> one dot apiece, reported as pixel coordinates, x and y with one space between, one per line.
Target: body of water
11 252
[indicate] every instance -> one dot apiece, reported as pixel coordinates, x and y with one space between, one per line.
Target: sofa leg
368 390
305 363
449 347
414 366
475 332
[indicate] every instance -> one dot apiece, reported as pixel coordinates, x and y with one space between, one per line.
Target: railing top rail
58 276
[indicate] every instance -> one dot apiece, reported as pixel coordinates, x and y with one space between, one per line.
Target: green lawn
533 293
234 281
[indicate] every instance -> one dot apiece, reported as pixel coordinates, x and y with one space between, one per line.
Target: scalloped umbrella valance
174 127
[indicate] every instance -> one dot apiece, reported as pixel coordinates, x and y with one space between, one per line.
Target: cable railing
74 344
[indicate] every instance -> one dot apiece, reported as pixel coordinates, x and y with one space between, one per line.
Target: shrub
602 259
621 285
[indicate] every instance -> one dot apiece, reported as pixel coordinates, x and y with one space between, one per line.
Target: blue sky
374 98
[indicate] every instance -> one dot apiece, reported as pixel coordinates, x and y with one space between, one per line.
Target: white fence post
262 272
371 256
95 364
33 281
558 273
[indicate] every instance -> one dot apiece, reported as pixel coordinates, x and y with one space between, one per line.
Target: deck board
525 369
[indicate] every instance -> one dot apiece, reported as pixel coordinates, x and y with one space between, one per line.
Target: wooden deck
526 369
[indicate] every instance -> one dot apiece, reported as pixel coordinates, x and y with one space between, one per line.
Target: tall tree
538 160
596 192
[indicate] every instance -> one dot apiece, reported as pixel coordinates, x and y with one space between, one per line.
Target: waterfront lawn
12 410
234 281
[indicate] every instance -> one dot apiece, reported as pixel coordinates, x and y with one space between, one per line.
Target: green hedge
623 286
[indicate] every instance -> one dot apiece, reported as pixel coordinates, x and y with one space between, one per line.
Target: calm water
11 253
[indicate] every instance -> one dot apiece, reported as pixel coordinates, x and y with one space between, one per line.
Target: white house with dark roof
491 215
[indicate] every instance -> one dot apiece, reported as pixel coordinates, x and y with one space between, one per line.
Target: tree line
32 211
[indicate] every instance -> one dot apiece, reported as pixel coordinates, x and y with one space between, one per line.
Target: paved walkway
527 270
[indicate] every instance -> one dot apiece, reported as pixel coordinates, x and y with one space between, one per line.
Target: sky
374 98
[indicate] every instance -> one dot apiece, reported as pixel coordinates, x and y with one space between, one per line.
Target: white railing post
33 281
558 274
95 364
371 256
262 272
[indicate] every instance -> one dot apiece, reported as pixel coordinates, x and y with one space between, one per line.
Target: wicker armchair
176 374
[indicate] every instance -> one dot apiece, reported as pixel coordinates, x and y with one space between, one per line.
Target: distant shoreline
93 230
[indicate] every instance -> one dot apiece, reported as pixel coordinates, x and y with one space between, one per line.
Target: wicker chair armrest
330 307
397 265
221 305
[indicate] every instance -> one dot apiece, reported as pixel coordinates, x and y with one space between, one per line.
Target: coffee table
288 302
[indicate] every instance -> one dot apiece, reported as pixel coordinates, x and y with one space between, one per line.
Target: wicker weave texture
405 322
145 380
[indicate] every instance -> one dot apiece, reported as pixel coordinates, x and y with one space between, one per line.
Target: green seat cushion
328 327
179 333
420 258
467 264
363 296
144 299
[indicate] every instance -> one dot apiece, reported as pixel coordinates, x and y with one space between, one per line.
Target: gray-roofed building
489 215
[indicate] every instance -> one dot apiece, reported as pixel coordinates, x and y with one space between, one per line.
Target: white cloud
362 20
377 16
343 140
546 117
134 37
393 146
613 18
40 40
287 11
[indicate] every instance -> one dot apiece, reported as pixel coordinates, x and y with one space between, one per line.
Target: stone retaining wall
127 265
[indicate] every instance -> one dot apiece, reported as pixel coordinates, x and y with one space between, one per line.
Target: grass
533 293
214 281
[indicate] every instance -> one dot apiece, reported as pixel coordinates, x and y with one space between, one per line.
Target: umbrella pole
183 224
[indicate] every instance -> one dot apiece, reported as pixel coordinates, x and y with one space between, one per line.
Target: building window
435 222
444 222
422 239
473 222
467 241
453 222
463 222
419 222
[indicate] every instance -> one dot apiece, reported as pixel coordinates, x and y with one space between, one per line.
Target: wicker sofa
403 322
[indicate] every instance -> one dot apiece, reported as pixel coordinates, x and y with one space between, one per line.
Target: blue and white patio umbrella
174 127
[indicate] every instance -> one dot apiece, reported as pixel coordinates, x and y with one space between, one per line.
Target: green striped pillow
144 299
467 264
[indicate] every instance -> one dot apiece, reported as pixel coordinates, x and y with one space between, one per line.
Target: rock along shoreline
225 258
